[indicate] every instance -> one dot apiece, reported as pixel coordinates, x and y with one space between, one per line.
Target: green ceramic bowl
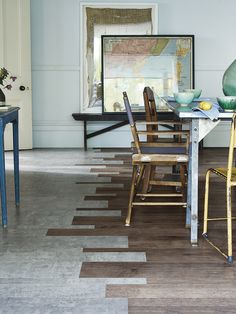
184 98
197 92
228 103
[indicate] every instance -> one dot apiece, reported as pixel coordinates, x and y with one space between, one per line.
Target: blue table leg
16 161
3 178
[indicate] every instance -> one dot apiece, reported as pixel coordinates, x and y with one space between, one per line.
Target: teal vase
2 98
229 80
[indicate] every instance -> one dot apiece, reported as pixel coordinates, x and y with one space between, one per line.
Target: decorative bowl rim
183 93
226 98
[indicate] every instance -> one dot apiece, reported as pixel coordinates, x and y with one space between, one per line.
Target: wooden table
9 116
200 126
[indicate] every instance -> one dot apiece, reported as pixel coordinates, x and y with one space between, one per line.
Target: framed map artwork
102 18
129 63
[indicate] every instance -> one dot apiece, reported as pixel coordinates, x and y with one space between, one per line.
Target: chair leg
139 175
229 225
152 176
183 182
206 200
132 195
146 179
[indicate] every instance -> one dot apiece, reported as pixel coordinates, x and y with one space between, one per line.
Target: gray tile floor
38 273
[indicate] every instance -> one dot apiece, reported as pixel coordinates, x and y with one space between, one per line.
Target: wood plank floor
179 278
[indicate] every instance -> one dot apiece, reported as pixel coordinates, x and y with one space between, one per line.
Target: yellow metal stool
229 175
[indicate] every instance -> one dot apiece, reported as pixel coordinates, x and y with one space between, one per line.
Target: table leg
3 178
85 135
189 190
16 162
194 180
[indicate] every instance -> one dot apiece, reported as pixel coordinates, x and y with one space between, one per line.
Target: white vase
2 98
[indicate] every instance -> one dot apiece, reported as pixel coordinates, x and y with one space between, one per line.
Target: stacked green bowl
184 98
197 92
228 103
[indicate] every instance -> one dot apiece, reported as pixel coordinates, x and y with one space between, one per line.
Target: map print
131 63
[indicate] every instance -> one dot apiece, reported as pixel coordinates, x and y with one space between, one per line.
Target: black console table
122 118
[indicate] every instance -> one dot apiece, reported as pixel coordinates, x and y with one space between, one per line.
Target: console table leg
16 162
3 178
85 135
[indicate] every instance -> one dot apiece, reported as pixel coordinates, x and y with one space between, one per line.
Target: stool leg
206 200
229 225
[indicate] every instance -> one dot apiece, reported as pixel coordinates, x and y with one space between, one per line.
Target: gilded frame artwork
98 19
129 63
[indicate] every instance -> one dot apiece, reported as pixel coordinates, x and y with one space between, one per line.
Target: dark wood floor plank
118 222
99 197
160 233
182 291
181 272
112 189
182 305
98 208
103 221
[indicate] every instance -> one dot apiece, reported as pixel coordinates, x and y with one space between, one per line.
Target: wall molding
55 68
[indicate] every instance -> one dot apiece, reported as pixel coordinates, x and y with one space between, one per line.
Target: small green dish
228 103
184 98
197 92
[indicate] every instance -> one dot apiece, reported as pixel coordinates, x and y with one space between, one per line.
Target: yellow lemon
204 105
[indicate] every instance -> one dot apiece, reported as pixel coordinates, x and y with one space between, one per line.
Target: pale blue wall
55 61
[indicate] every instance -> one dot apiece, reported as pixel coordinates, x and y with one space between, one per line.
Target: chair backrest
150 111
131 122
150 105
232 146
154 147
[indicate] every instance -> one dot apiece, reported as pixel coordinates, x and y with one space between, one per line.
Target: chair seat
163 159
163 150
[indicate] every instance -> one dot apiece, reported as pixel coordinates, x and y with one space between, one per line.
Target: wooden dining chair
228 174
153 124
152 154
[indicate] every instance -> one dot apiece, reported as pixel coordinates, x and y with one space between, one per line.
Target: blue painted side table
9 116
